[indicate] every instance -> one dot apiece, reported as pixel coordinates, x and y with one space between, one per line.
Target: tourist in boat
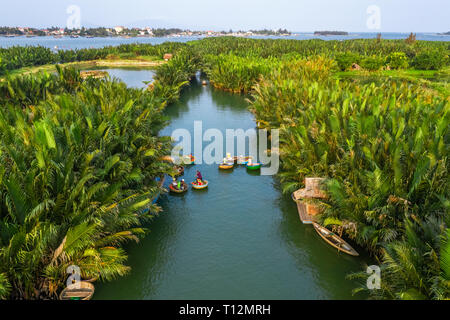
199 177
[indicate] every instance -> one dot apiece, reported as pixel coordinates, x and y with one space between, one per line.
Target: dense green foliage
430 60
236 64
234 73
305 48
383 146
18 57
397 60
346 59
79 161
372 63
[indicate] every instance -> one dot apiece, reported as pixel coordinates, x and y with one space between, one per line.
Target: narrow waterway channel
240 239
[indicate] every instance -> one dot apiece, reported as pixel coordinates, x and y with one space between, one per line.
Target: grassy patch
433 79
137 62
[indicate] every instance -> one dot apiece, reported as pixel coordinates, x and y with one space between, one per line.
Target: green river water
240 239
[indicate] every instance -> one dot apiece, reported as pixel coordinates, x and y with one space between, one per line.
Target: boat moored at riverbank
334 240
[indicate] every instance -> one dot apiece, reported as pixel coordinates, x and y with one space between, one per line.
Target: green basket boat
254 166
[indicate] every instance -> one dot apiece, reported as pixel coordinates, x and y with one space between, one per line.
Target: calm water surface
80 43
134 77
240 239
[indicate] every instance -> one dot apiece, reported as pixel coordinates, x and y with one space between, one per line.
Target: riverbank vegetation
14 58
79 158
381 142
79 164
384 149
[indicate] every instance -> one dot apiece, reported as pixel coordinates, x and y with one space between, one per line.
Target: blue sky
295 15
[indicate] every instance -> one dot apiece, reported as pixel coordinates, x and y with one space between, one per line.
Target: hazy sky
295 15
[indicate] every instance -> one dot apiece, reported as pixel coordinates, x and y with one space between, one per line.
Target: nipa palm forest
80 159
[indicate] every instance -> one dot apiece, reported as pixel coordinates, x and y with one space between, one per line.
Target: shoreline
88 64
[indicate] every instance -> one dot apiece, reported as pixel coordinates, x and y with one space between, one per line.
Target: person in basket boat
228 159
199 178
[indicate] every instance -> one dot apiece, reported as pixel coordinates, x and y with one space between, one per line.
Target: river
240 239
65 43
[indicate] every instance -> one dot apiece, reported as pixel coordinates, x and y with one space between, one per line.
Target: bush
430 60
372 63
2 66
397 60
128 55
346 59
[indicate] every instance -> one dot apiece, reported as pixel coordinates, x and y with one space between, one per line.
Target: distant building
119 29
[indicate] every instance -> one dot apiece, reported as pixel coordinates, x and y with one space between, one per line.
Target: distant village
121 31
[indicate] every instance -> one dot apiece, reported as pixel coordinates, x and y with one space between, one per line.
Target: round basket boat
254 166
230 159
189 159
183 189
78 291
226 166
198 187
244 160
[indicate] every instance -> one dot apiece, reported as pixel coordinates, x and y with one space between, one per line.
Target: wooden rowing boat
198 187
334 240
184 188
78 291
